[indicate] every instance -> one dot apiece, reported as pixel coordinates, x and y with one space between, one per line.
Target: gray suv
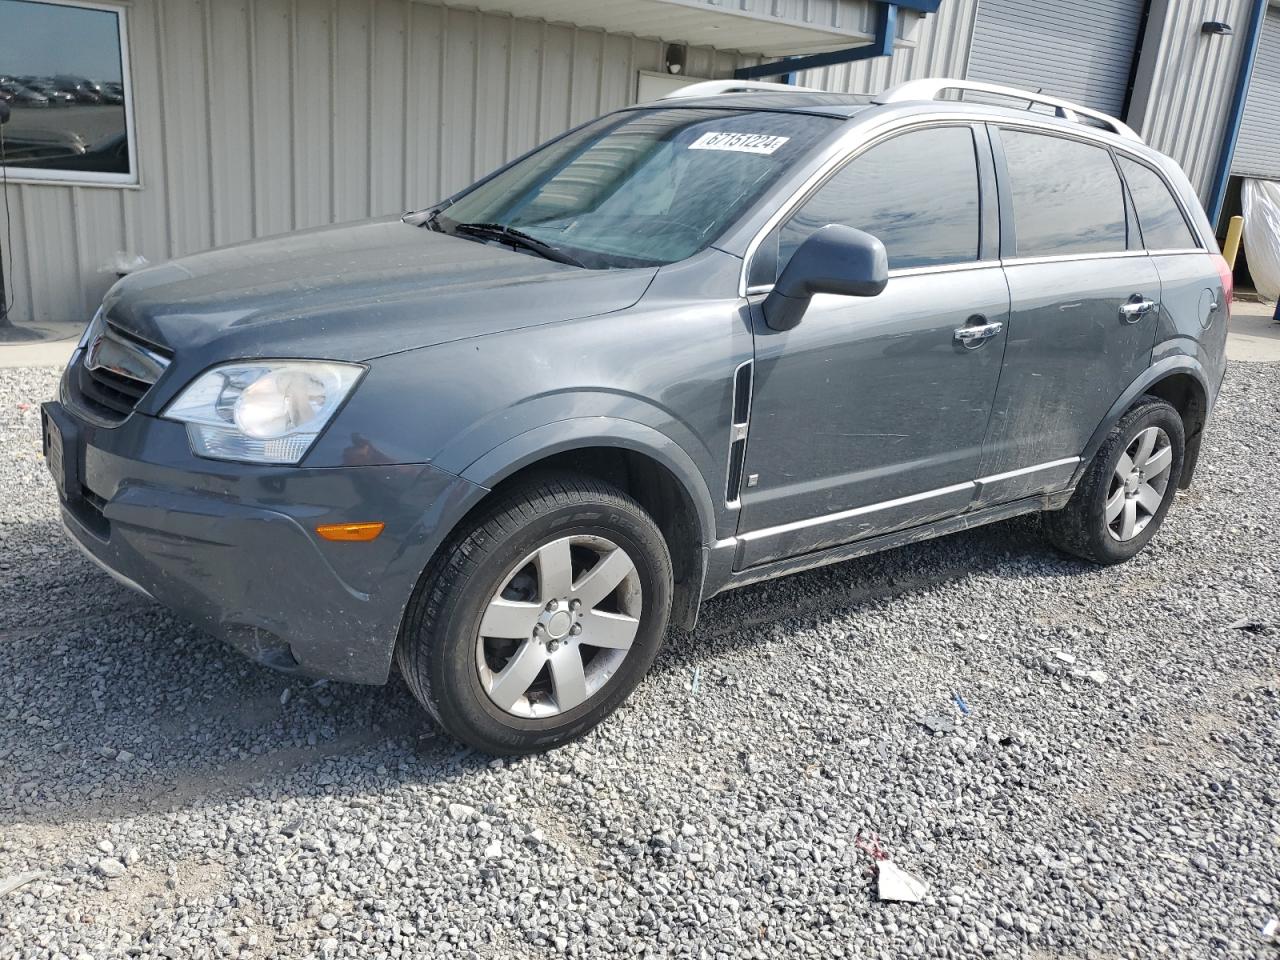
691 345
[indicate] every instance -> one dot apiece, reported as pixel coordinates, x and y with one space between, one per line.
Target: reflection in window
62 75
1067 197
1162 222
918 193
645 187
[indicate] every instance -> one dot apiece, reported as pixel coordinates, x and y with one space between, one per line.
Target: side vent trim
742 380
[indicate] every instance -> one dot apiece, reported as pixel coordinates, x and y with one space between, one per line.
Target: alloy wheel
559 626
1139 483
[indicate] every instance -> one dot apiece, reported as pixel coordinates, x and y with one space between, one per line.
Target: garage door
1082 52
1258 147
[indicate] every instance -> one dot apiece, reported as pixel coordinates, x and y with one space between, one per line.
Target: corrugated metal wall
1258 149
941 50
1052 45
256 117
1185 82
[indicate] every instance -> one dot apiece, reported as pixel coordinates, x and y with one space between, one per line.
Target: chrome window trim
907 272
943 268
1180 251
1060 257
861 138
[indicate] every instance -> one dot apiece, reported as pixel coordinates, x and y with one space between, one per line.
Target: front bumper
232 546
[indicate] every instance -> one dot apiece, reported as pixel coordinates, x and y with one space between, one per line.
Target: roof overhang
747 26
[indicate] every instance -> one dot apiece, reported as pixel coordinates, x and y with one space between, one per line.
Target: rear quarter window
1163 225
1067 196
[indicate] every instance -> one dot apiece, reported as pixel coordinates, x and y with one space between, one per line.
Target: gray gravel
1113 790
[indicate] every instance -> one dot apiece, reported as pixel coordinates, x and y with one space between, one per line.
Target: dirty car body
810 328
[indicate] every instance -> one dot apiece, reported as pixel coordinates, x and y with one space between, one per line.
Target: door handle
975 333
1135 308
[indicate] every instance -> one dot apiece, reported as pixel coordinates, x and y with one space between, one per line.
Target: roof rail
930 88
714 88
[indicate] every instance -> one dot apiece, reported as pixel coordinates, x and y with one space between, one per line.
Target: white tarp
1261 202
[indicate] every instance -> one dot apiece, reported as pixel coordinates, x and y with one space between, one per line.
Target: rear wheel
539 617
1126 489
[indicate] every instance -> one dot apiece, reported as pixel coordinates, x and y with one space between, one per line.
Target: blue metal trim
1222 174
881 46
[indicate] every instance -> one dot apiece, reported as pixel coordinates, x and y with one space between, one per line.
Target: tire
1090 526
497 573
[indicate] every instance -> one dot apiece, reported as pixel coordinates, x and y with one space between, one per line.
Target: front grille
113 372
108 393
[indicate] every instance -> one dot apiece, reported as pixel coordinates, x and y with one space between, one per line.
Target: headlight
265 412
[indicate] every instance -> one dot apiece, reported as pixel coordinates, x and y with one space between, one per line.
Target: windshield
641 188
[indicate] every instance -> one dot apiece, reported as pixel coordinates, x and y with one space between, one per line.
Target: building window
64 72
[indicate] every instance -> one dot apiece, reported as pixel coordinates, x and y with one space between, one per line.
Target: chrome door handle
1136 308
977 333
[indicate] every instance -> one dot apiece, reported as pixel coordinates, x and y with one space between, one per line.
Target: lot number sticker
739 142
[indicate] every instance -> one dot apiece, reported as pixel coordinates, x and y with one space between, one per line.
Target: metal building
1053 44
168 126
1258 149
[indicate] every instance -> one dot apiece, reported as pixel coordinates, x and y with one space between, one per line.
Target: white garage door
1082 52
1258 147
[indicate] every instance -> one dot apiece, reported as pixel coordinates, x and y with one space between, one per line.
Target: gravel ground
181 802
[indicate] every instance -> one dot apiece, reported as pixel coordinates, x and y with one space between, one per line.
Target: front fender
579 433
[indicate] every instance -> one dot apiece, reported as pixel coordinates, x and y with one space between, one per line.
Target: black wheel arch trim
582 433
1152 376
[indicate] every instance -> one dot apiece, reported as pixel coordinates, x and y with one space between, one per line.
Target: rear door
1192 303
1084 304
870 414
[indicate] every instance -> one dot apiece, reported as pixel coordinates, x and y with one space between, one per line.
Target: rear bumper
232 547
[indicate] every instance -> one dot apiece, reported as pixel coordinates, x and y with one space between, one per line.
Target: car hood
355 292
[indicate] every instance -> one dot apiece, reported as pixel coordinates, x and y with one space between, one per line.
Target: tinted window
918 193
644 186
1067 196
1163 226
62 75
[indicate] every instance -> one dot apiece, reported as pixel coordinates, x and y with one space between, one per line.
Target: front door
870 415
1085 300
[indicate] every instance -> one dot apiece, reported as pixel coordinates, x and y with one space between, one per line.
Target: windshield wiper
516 238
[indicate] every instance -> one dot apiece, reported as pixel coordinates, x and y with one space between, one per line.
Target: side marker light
350 532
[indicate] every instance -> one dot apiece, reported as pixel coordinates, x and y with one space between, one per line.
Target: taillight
1228 284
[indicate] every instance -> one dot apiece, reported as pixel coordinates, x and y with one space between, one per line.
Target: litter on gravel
895 884
1250 626
10 884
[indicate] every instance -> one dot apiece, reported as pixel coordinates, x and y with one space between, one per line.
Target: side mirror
834 259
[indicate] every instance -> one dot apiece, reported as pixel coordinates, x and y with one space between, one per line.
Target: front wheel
539 617
1127 488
